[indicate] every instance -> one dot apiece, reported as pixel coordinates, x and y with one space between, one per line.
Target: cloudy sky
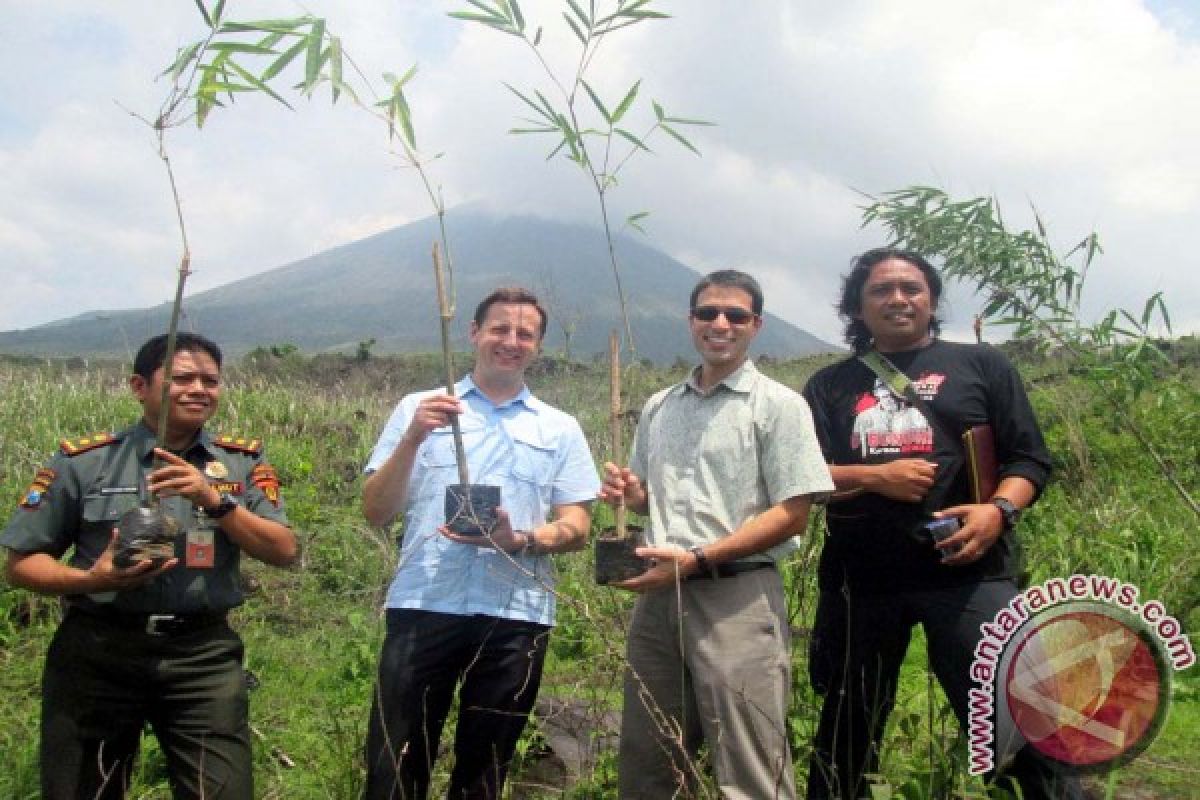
1088 109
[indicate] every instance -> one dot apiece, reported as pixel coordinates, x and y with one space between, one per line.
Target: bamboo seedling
470 508
601 149
615 557
208 72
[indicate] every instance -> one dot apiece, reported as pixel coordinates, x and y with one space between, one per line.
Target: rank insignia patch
37 490
264 477
239 444
73 447
215 469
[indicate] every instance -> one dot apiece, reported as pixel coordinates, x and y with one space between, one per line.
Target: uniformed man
149 642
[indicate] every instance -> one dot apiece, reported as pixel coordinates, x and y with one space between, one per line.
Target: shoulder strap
901 386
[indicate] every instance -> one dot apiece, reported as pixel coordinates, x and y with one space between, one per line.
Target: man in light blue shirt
472 612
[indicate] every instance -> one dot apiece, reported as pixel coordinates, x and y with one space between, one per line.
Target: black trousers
102 683
426 655
858 643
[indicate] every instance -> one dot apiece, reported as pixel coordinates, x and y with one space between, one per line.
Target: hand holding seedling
669 565
435 411
620 483
502 537
179 478
109 577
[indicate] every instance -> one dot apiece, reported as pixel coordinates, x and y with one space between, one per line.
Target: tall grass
313 633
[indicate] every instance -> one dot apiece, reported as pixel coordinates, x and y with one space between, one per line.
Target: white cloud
1085 107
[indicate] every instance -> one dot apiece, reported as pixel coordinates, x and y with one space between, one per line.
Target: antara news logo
1079 669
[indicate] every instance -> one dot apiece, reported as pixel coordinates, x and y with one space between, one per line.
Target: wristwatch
225 504
702 563
1008 511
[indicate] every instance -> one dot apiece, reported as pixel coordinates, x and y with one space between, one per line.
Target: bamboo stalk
168 368
614 426
446 313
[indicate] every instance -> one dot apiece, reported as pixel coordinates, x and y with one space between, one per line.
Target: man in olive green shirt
726 465
149 642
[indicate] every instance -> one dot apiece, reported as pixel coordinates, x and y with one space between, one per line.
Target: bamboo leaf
634 221
537 37
204 13
546 104
679 138
271 40
687 121
468 16
638 143
540 111
587 20
575 29
641 15
183 57
596 101
347 90
241 47
626 102
285 58
562 143
256 83
312 56
516 14
267 25
226 86
658 110
335 67
218 11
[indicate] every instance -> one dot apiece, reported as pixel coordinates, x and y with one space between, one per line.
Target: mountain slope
382 287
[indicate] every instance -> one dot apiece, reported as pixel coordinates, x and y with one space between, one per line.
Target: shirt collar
144 441
525 397
740 380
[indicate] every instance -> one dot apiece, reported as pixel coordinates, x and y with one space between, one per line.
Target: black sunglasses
736 316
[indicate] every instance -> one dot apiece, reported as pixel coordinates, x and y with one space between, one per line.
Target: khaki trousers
709 661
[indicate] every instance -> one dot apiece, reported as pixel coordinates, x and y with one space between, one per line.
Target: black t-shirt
875 543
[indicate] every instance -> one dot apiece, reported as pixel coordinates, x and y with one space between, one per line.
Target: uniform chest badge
216 470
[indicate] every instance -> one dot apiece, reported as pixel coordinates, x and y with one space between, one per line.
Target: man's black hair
151 355
856 333
730 279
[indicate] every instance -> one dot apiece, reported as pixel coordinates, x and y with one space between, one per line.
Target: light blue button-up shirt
539 458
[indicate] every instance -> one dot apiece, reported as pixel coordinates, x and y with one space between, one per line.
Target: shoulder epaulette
238 444
73 447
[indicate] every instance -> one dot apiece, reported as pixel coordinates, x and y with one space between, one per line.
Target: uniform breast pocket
103 511
533 462
438 451
99 515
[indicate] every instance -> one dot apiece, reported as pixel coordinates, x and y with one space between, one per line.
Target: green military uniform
160 652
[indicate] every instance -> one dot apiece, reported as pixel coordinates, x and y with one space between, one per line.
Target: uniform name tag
105 491
200 551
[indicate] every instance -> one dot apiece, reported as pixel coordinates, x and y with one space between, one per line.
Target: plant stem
446 314
614 428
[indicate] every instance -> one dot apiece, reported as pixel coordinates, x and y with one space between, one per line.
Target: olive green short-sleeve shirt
77 498
712 461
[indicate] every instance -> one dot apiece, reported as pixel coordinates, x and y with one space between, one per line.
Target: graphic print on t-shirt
887 426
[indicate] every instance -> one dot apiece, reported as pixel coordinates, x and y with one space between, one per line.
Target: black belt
153 624
729 569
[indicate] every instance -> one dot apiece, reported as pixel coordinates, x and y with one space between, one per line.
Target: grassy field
312 632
